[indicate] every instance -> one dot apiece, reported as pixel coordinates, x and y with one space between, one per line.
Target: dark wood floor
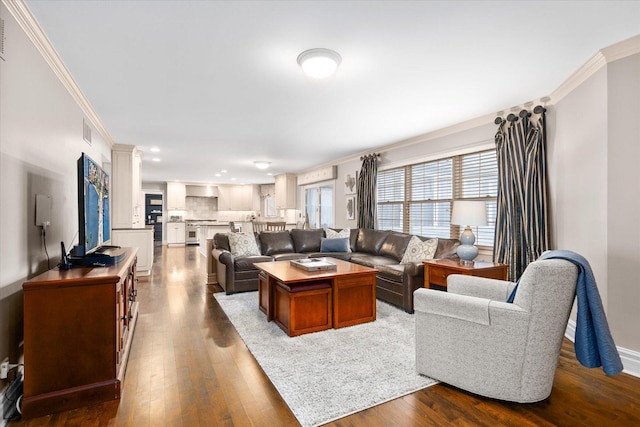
189 367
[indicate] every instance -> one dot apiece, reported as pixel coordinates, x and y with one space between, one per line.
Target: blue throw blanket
594 344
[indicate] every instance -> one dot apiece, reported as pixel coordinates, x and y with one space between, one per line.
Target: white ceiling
215 85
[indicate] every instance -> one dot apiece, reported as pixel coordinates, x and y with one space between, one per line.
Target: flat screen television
93 207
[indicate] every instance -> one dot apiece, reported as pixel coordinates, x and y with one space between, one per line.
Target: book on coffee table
313 264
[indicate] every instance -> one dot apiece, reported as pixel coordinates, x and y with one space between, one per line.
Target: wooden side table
437 270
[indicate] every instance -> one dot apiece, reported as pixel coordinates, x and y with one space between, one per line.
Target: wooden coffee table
352 301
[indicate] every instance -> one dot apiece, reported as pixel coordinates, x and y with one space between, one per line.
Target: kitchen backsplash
201 207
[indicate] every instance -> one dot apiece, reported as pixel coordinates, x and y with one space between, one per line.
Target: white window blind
479 181
431 193
390 193
417 199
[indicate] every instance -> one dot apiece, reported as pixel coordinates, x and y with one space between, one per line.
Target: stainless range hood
202 190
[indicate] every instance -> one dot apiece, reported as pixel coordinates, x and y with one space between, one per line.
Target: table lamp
468 213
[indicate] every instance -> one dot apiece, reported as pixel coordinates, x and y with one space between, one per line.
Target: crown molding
20 11
603 57
622 49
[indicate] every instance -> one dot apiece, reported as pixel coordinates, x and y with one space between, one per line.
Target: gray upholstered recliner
471 338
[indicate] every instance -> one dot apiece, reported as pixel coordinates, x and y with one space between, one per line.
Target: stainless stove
192 230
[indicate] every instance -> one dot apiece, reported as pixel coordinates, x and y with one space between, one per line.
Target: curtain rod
539 109
370 155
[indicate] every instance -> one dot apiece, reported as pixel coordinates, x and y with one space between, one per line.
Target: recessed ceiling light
154 149
223 171
233 179
218 174
269 173
261 164
319 63
155 159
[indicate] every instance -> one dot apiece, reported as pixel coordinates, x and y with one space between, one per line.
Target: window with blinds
390 193
417 198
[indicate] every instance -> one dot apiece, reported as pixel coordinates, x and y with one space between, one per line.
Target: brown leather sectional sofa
383 250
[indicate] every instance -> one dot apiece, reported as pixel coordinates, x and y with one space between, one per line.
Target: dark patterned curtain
366 193
521 221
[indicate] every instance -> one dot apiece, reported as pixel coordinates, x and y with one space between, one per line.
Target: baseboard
630 359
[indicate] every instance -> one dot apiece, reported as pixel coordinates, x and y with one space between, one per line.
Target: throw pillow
243 244
418 251
340 244
333 234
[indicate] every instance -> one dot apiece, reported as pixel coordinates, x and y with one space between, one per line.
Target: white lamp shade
467 212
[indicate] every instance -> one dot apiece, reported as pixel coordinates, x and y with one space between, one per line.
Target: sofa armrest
414 269
480 287
224 256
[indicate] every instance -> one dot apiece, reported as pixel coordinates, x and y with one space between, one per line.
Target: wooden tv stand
78 328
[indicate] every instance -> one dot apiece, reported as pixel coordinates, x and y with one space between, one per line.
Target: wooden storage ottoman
300 309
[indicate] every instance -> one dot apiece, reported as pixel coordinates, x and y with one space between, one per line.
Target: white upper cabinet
286 191
127 199
238 198
176 196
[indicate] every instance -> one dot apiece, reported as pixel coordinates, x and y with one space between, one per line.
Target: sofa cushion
446 248
352 234
370 241
372 260
345 256
394 245
335 234
243 244
221 241
288 256
391 272
247 262
307 240
339 244
418 251
276 242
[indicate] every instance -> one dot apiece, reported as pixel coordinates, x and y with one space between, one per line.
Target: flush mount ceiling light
319 63
261 164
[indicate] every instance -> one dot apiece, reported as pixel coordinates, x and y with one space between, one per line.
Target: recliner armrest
472 309
498 290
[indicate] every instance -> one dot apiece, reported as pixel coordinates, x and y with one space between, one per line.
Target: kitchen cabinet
127 204
176 196
176 234
238 198
286 190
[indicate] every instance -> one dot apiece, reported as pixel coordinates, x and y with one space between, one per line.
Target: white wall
40 142
578 174
623 200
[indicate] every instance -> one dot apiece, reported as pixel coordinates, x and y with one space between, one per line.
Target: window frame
471 174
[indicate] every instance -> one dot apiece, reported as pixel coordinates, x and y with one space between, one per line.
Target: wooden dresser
436 271
78 328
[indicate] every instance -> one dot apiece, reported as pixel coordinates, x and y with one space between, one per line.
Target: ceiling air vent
86 131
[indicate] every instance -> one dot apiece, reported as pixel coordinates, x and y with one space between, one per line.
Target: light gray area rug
327 375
